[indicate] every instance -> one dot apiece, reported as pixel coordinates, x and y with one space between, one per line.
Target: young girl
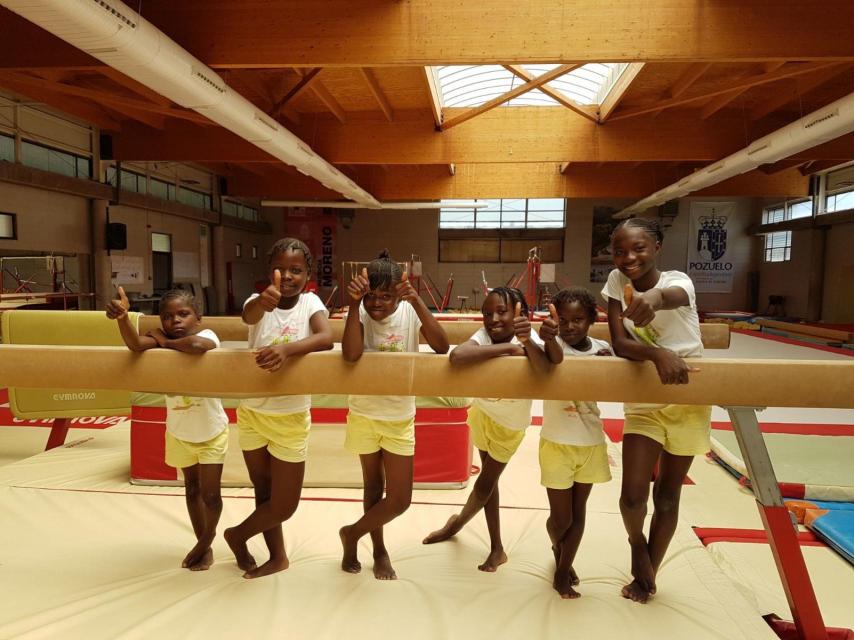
381 429
283 322
196 428
497 425
652 315
573 453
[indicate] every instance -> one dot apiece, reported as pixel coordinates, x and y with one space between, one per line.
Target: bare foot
643 585
573 577
204 563
634 591
273 565
495 559
350 561
241 552
450 529
563 585
196 554
382 567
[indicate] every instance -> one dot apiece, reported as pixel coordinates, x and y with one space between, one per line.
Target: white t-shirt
196 419
397 333
511 413
574 422
281 326
675 329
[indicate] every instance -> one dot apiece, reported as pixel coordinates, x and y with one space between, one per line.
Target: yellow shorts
181 454
682 429
285 436
365 435
562 465
487 435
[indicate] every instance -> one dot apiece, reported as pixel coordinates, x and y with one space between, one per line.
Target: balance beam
233 373
232 328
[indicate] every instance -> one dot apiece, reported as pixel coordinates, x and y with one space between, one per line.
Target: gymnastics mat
442 452
833 522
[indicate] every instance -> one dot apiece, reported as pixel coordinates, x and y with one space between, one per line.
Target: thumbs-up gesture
118 308
550 326
270 297
405 290
641 307
521 325
359 287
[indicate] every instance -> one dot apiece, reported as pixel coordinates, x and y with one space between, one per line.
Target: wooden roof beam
297 89
795 69
328 99
615 95
223 33
572 105
716 104
563 167
434 93
792 91
509 95
377 92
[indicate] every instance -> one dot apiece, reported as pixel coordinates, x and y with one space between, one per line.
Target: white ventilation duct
120 37
822 125
399 206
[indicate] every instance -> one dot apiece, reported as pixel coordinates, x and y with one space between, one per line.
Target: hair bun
384 255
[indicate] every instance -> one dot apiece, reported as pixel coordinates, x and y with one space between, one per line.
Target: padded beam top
231 328
232 372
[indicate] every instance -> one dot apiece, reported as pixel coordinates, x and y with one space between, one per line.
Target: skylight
471 86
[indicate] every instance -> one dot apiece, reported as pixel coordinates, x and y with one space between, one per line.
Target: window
161 189
509 213
49 159
778 246
254 252
238 250
7 148
839 201
161 242
239 210
194 198
8 227
131 181
789 210
839 186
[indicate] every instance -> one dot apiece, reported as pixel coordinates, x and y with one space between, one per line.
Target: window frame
14 219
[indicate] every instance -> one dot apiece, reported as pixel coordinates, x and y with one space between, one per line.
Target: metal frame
778 523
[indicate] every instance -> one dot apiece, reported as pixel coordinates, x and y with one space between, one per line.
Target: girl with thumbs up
284 321
497 425
381 429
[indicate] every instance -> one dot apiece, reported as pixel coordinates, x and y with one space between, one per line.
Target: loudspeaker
117 236
223 186
106 145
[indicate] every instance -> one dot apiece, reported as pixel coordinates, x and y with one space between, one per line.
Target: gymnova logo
83 395
710 266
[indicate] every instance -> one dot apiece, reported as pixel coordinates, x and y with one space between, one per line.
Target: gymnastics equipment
121 38
61 402
442 456
233 329
36 281
739 385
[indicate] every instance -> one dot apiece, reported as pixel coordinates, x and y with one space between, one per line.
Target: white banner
710 263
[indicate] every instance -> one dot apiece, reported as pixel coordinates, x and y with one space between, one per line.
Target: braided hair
648 225
290 244
383 272
183 295
511 296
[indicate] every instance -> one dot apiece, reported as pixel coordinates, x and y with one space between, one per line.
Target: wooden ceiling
348 77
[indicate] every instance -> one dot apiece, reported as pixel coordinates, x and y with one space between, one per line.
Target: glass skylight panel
471 86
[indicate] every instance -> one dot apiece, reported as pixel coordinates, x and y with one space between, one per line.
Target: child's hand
360 286
269 298
271 358
549 328
671 368
118 309
516 350
405 290
603 352
521 325
159 337
641 307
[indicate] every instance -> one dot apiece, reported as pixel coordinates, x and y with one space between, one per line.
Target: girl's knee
666 500
192 490
633 501
399 503
373 492
212 500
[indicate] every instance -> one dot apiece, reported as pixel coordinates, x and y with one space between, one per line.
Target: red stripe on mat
797 343
798 429
4 396
710 535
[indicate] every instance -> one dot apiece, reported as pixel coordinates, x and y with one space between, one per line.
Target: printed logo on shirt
391 342
646 335
185 403
286 335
